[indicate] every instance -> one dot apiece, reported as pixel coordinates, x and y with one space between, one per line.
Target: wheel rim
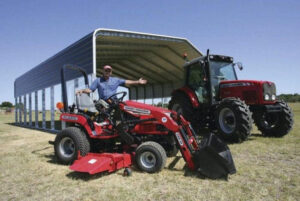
269 120
148 159
67 147
176 107
227 120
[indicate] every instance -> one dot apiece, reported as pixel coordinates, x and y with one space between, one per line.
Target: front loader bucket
213 159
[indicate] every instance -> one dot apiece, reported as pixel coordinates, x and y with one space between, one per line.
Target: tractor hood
251 91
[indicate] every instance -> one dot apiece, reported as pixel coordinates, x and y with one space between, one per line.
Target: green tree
6 104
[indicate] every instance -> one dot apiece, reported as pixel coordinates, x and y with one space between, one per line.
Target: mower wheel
68 143
150 157
275 124
127 172
233 120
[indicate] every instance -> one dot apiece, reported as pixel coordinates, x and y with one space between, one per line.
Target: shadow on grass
86 176
187 171
47 129
51 157
257 135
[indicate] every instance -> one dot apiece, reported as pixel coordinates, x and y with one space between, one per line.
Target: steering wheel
120 99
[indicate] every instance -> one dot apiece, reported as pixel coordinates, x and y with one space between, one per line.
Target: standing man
108 85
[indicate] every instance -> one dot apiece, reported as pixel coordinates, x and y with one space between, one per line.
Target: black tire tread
244 120
285 125
80 139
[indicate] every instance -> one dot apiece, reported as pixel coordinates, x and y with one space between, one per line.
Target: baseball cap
107 67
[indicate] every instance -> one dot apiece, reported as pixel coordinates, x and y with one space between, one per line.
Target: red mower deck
94 163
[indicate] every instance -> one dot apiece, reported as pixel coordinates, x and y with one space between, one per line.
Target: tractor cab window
196 81
220 71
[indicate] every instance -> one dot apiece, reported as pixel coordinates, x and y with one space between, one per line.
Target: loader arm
211 157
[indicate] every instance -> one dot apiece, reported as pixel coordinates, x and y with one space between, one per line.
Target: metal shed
132 55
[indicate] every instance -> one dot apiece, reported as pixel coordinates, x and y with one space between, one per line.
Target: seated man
108 85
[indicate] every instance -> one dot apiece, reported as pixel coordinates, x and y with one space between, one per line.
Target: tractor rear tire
150 157
182 105
68 143
233 120
275 124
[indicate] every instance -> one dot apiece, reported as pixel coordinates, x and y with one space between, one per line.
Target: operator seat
85 102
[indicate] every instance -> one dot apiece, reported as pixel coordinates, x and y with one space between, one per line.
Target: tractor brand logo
69 117
137 110
92 161
164 119
235 84
179 138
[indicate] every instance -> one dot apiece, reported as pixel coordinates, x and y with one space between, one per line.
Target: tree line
292 98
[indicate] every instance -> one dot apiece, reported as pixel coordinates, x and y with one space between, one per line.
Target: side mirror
239 65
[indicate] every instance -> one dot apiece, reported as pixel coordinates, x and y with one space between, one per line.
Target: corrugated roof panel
47 73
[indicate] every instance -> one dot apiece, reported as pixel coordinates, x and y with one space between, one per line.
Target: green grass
267 169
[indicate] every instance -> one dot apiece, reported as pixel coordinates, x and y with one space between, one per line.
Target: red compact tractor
214 98
114 134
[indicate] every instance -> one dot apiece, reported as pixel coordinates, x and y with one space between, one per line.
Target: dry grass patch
267 169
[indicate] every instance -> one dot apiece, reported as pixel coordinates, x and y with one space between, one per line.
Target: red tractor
114 134
214 98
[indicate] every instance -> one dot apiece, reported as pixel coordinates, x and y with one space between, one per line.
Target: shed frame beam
36 109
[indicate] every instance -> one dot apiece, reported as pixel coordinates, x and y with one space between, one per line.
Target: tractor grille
250 96
269 88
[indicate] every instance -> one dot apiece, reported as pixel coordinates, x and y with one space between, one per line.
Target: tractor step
214 159
94 163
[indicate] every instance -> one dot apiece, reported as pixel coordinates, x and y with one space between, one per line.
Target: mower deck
94 163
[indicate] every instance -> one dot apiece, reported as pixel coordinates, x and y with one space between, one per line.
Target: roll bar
63 81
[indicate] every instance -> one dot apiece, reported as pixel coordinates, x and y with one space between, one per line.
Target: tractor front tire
68 143
233 120
150 157
275 124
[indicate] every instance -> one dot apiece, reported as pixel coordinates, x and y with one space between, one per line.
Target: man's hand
128 83
79 92
87 91
142 81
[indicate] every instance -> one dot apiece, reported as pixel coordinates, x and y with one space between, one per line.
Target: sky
263 35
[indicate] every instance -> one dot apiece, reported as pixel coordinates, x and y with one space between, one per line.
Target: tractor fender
188 93
78 119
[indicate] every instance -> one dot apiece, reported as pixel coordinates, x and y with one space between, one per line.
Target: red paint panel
191 94
94 163
252 93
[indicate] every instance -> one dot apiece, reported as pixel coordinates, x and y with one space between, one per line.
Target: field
267 169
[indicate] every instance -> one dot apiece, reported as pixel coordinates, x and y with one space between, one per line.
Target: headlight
273 97
267 97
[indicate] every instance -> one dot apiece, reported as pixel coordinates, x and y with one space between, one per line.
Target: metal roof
132 55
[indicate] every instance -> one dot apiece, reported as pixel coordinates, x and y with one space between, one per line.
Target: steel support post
162 94
20 110
52 107
30 110
16 110
36 109
43 109
152 86
136 94
130 95
25 110
144 94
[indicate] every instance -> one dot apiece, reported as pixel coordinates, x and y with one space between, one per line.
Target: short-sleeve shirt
106 88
